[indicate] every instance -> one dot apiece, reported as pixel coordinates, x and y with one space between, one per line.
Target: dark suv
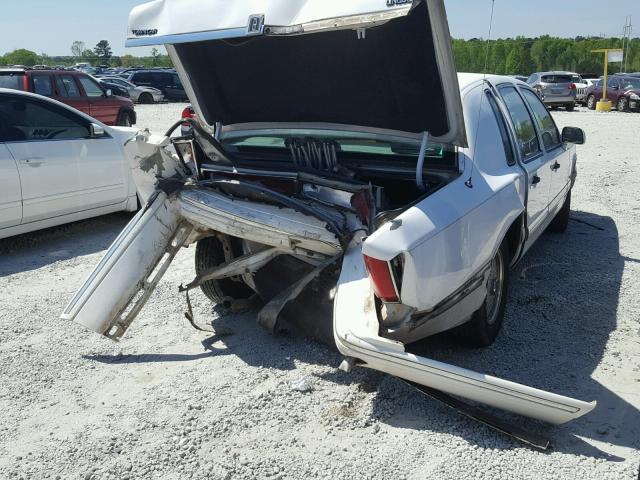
166 81
622 90
76 89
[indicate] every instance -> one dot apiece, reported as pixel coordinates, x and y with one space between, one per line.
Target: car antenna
469 182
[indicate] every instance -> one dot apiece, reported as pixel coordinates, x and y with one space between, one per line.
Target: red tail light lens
381 279
187 113
572 86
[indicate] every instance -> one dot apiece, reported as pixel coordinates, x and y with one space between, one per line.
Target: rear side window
556 78
66 86
42 85
550 134
30 120
14 81
161 78
91 88
522 123
141 77
504 133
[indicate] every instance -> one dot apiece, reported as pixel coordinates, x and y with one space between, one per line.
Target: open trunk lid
370 64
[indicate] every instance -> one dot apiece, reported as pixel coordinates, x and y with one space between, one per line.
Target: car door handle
535 180
33 161
555 166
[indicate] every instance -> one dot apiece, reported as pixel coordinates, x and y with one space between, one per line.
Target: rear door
68 91
532 156
62 170
558 156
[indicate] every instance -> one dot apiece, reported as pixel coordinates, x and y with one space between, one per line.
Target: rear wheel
124 119
145 98
591 102
210 253
484 326
560 222
623 104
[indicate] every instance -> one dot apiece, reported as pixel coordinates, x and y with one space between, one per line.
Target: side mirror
96 131
109 93
573 135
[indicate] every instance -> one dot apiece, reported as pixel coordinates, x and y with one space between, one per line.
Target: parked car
556 89
167 82
138 94
76 89
58 165
622 90
115 88
581 88
369 224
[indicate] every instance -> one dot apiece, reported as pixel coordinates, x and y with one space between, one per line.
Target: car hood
371 64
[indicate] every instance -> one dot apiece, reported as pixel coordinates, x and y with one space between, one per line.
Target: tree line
510 56
101 54
523 56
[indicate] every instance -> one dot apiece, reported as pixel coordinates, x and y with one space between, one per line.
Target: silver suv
556 89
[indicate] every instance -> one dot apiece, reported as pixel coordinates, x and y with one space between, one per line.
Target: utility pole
626 39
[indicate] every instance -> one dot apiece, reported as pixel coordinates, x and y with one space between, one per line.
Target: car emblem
256 24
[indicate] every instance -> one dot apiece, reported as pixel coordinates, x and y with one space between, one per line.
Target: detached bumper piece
356 335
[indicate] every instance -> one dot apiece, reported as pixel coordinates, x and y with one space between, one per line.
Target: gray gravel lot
173 403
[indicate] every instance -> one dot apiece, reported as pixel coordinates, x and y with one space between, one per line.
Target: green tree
103 50
21 57
77 48
128 61
89 56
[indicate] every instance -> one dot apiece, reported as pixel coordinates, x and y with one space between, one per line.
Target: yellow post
604 104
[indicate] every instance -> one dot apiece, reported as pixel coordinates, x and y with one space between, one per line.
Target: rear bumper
559 99
356 335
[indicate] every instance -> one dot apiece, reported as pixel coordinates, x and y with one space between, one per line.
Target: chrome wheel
495 282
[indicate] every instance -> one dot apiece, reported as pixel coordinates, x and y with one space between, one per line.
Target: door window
522 123
66 86
504 134
141 78
42 85
91 88
550 134
612 84
30 120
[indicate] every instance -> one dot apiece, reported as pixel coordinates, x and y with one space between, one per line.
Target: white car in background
58 165
137 93
346 175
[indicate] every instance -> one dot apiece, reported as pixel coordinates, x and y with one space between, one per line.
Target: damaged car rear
341 173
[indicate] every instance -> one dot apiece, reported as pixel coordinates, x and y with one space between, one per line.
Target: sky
51 26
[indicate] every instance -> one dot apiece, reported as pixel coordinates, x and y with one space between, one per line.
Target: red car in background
622 90
76 89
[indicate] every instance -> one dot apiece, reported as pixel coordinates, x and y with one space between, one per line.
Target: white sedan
58 165
343 173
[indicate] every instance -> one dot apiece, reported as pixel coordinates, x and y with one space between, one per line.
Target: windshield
351 145
631 83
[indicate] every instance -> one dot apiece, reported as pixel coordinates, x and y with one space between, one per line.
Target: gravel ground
173 403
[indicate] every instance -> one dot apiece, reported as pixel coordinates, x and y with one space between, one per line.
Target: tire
623 104
560 222
591 102
124 119
485 324
145 98
209 253
569 107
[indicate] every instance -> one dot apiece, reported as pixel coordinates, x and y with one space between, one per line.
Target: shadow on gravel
562 309
34 250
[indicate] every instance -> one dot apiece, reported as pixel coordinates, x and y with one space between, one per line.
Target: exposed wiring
469 182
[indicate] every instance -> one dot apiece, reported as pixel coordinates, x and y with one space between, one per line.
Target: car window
14 81
504 134
66 86
532 79
556 78
141 77
612 83
31 120
600 83
91 88
550 134
631 83
42 85
577 79
522 122
175 81
161 78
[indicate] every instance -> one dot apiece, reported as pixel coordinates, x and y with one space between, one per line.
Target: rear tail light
385 277
187 113
572 86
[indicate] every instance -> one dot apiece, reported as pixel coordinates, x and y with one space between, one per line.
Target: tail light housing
572 86
188 113
385 277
